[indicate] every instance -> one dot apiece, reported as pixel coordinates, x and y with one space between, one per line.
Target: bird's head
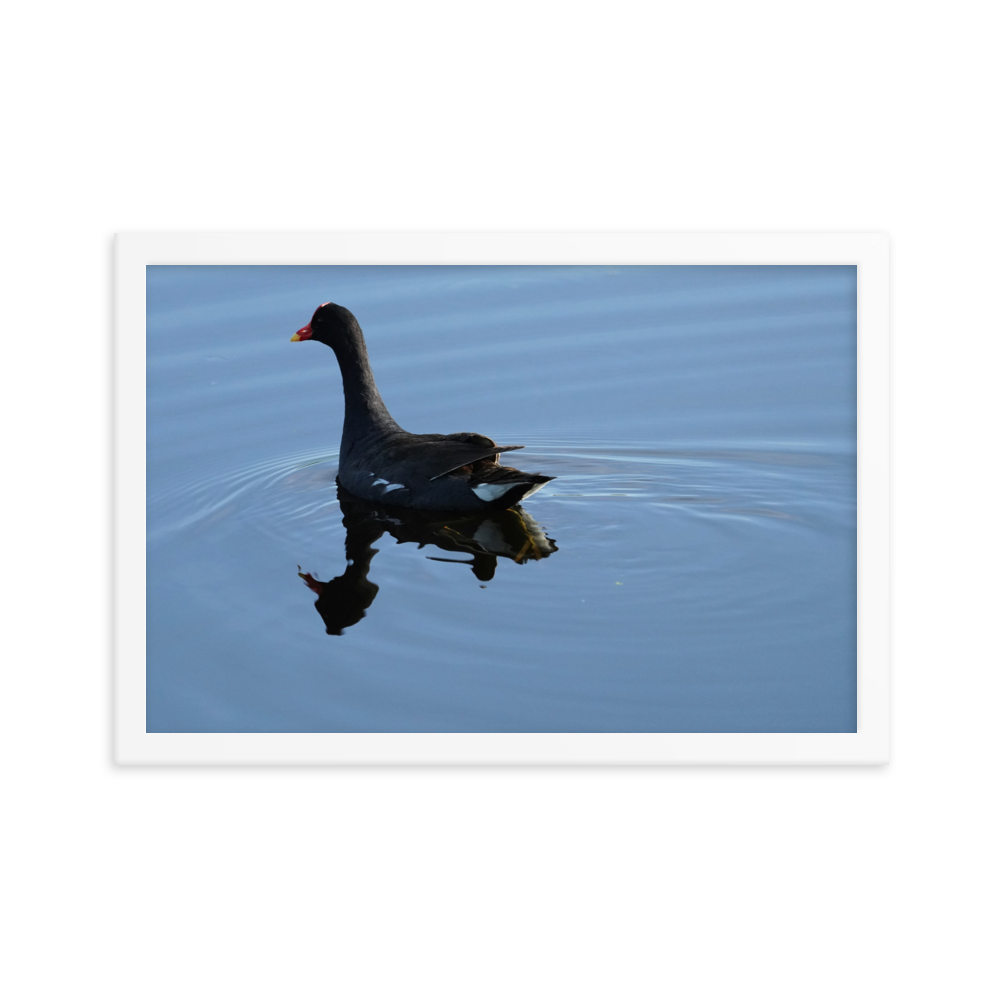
330 323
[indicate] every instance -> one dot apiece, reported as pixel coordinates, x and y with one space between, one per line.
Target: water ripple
286 494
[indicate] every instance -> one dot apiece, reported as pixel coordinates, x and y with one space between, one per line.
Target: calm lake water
691 569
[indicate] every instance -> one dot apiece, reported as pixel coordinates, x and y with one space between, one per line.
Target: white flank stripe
395 486
378 482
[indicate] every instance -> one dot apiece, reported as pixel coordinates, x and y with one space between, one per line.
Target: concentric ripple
282 490
288 496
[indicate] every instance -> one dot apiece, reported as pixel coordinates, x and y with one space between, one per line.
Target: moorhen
382 463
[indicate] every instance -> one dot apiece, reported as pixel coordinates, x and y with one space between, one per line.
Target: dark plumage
380 462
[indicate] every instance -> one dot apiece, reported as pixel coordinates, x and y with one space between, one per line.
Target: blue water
691 569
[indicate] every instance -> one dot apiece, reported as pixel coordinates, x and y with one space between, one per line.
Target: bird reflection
485 536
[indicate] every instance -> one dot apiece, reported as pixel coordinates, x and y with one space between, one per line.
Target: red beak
304 334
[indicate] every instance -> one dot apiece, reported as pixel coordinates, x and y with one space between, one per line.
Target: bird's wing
435 455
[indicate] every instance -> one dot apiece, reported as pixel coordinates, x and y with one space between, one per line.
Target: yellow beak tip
295 339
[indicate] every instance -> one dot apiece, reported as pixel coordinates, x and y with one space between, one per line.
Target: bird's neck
364 410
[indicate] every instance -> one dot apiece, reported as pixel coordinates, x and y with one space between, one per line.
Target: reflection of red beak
304 334
315 586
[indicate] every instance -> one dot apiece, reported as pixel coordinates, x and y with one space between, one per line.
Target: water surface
691 569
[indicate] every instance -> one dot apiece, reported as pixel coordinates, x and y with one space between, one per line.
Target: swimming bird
382 463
